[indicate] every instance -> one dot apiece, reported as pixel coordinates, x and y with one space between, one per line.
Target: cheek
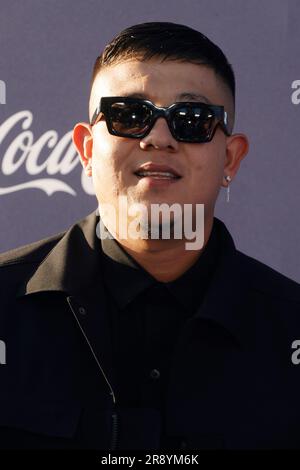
103 149
213 170
108 162
206 170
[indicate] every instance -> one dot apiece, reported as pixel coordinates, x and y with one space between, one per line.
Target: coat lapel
229 291
73 267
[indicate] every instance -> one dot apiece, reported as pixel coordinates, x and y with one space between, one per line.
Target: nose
159 137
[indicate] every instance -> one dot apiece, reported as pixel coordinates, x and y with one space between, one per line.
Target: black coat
232 383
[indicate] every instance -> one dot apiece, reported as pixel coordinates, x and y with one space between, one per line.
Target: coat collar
228 297
73 267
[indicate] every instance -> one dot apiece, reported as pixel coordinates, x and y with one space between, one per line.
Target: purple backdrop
47 52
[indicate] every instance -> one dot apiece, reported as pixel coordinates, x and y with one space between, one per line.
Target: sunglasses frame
103 109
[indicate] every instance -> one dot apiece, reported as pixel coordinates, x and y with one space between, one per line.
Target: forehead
161 82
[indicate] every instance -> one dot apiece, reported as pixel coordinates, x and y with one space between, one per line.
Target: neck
165 260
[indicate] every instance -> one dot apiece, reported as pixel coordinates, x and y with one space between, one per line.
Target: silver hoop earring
228 179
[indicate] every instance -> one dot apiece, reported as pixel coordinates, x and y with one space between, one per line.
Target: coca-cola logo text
24 151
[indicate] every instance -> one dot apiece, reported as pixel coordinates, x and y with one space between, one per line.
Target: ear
83 141
237 147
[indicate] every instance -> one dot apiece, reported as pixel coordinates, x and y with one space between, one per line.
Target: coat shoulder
31 253
267 280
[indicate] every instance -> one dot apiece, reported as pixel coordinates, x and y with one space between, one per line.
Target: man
141 342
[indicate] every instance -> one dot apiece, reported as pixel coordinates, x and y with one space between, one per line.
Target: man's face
115 159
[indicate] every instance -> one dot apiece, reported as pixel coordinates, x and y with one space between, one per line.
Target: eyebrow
186 96
193 96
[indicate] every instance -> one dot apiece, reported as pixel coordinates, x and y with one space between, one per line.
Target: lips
157 171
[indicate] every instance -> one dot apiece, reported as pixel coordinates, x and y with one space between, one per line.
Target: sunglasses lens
193 123
130 118
188 122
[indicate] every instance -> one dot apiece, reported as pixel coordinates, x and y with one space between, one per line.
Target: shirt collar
123 276
190 287
126 279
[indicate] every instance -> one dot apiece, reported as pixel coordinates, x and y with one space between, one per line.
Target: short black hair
168 41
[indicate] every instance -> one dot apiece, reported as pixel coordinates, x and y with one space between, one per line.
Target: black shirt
146 317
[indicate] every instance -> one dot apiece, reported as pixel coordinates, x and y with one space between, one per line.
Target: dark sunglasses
193 122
